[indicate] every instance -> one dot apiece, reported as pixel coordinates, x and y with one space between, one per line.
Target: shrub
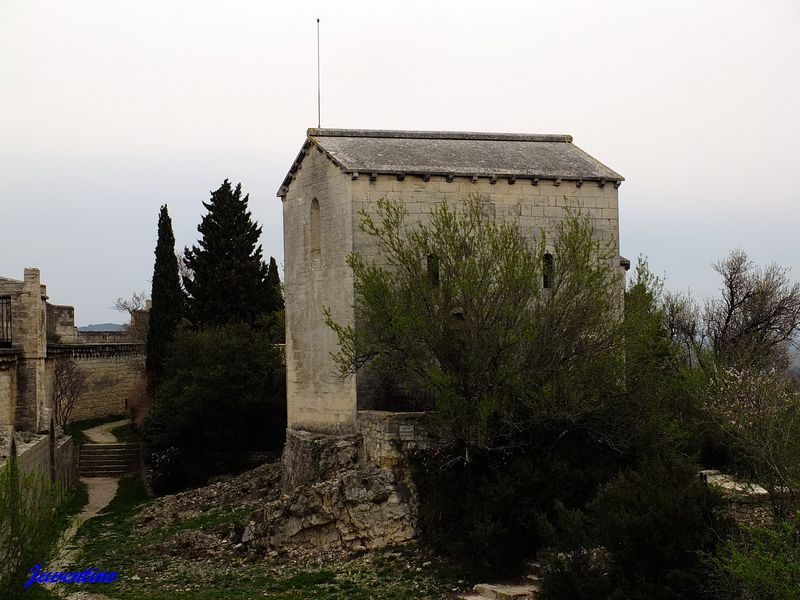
507 503
223 394
497 331
28 525
655 523
763 563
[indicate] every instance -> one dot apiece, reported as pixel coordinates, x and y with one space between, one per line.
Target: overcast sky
109 109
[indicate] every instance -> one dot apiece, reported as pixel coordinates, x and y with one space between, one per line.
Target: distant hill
102 327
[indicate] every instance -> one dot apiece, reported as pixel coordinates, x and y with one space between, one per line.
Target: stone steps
107 460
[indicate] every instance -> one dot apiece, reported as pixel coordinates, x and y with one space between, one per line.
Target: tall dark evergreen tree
167 300
229 281
274 284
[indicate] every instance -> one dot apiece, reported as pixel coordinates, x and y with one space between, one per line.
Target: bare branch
69 382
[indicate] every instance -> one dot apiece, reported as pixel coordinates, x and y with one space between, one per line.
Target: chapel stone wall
317 240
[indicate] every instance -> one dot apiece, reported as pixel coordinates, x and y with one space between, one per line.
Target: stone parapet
96 350
387 438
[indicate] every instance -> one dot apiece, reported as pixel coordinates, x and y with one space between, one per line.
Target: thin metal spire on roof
319 93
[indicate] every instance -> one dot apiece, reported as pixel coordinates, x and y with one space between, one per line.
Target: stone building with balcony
33 334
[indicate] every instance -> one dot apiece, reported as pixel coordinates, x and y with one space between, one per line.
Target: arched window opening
316 241
547 271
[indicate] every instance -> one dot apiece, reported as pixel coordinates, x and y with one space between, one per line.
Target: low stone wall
388 437
114 372
747 504
34 456
66 463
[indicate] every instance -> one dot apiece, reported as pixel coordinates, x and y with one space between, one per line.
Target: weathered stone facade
61 324
388 438
44 454
8 387
333 497
30 410
37 333
113 371
532 181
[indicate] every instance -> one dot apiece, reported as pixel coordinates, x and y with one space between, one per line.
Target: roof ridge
440 135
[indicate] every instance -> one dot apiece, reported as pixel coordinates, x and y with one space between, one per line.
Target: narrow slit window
547 271
316 242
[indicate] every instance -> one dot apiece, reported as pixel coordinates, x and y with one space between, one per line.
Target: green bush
498 508
223 394
655 523
29 525
763 563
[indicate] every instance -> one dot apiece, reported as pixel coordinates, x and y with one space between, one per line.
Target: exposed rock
245 492
361 507
356 507
746 504
310 457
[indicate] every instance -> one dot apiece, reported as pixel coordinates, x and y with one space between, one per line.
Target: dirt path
101 491
102 433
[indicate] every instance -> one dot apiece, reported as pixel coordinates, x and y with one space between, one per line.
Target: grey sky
110 109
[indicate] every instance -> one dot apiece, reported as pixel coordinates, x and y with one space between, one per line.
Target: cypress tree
167 300
274 285
229 279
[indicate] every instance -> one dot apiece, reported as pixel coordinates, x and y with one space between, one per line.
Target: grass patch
74 500
125 434
76 428
154 565
208 520
36 592
99 534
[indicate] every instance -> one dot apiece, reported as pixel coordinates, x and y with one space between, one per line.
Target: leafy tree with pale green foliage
542 392
229 281
167 300
458 312
763 563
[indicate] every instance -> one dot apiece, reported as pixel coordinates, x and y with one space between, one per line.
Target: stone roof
468 154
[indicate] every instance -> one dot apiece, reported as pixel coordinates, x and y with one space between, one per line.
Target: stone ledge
96 350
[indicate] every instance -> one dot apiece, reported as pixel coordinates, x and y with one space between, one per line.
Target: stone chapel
531 180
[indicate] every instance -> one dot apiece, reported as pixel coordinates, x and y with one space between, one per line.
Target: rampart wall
48 456
114 372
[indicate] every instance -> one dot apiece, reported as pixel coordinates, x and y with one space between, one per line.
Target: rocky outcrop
328 502
310 457
333 498
358 508
746 504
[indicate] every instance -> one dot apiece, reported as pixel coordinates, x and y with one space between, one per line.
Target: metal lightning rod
319 94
